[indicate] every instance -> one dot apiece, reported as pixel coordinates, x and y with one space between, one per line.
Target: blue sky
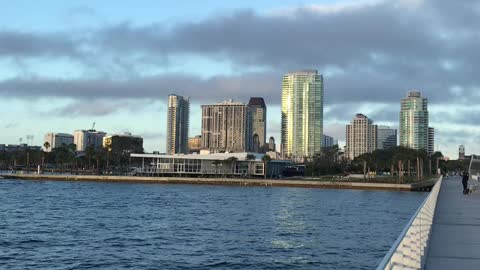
67 64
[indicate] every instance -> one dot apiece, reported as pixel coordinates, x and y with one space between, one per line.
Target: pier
228 181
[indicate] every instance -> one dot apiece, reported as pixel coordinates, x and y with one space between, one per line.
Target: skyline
82 62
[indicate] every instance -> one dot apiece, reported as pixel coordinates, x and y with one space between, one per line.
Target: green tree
216 163
250 158
265 159
232 162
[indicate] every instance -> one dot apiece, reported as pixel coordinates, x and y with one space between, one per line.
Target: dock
228 181
455 240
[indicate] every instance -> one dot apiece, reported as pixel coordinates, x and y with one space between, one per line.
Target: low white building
204 165
57 139
86 138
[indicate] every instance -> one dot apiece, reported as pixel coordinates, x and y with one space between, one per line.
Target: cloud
15 44
214 89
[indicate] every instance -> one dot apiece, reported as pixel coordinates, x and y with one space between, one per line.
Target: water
81 225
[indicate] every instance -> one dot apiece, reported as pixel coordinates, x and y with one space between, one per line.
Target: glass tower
177 124
302 114
414 121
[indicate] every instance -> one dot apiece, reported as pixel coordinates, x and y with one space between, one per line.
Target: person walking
465 182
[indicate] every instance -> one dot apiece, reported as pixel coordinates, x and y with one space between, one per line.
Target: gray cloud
20 44
158 87
371 54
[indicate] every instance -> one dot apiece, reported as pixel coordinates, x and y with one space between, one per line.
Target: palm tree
250 157
232 161
216 163
265 159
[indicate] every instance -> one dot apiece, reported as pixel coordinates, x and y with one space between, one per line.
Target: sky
67 64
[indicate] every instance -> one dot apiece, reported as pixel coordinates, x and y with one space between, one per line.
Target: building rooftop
226 102
414 93
303 72
257 101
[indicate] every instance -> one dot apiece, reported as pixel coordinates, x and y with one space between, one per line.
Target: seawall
218 181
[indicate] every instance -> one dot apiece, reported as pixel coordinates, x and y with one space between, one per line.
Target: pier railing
410 249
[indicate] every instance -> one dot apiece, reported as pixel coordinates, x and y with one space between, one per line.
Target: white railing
410 249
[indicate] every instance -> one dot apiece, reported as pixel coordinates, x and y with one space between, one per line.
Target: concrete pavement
455 240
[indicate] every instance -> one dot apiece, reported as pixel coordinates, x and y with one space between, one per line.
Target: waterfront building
259 123
271 144
361 136
329 141
177 124
414 130
88 138
227 127
195 144
302 114
461 152
386 137
431 141
207 165
123 143
57 139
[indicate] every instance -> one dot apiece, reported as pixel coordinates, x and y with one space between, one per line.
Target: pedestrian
465 182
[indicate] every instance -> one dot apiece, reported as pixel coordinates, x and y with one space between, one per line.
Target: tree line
65 158
404 163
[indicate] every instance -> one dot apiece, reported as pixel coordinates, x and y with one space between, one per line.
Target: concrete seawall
215 181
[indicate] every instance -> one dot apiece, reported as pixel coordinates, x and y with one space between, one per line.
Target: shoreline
422 186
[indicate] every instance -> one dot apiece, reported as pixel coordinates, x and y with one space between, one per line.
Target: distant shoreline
226 182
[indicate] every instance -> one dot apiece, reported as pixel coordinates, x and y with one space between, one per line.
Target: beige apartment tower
361 136
227 127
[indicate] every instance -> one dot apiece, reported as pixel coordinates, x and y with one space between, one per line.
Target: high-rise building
259 122
195 144
414 121
57 139
461 152
123 143
386 137
431 141
88 138
302 114
361 136
227 127
271 144
177 124
329 141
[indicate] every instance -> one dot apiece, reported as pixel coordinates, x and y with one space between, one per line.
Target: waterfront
80 225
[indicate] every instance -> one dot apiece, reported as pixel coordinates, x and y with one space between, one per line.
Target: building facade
329 141
461 152
56 140
123 143
302 114
431 141
414 131
361 136
208 165
227 127
88 138
386 137
259 123
177 124
271 144
195 144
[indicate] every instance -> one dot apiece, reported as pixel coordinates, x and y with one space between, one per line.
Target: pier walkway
455 239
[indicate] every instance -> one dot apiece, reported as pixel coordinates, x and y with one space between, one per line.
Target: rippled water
81 225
